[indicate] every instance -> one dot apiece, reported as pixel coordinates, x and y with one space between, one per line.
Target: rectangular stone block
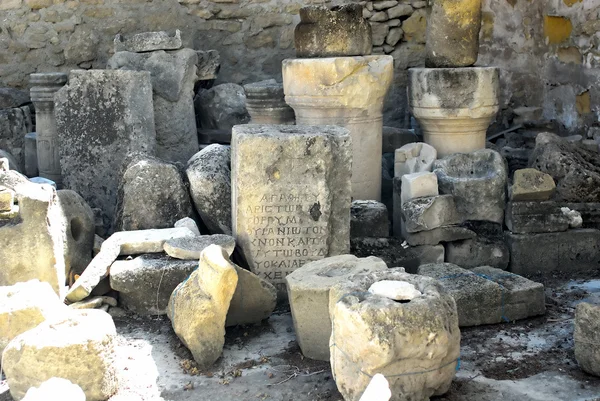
101 116
369 219
535 217
429 212
418 185
148 41
485 295
291 196
437 235
564 251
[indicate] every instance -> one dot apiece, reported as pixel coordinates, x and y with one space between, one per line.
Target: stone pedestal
349 92
44 87
290 196
454 106
266 104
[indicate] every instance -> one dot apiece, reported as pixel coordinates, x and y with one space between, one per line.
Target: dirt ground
527 360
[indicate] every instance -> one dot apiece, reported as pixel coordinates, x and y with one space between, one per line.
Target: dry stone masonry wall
547 50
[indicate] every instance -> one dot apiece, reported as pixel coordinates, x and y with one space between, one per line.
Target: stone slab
427 213
587 337
101 117
190 248
571 250
146 282
418 185
485 295
291 201
148 41
530 184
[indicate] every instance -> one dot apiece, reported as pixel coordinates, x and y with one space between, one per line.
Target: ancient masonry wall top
544 48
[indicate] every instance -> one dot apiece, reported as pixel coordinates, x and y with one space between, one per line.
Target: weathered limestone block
198 306
121 243
208 66
530 184
209 175
148 41
151 194
536 217
24 306
332 32
254 299
453 33
414 158
102 116
42 94
146 282
478 182
221 107
79 348
13 164
479 251
571 250
485 295
418 185
454 106
78 228
266 104
308 293
55 389
415 344
427 213
291 201
369 219
7 199
587 337
575 170
349 92
173 75
190 248
396 254
32 239
437 235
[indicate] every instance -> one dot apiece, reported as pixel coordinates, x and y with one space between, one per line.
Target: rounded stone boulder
454 106
414 343
332 32
308 293
79 348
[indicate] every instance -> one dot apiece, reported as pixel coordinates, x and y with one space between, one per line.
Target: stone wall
545 47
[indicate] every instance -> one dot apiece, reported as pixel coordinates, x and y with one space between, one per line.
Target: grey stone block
395 253
437 235
430 212
587 337
535 217
486 295
479 251
369 219
570 250
148 41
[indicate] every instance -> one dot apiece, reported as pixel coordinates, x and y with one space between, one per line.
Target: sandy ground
527 360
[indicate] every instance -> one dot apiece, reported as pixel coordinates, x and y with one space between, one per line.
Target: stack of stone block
392 20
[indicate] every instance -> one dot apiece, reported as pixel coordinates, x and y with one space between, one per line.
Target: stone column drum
453 33
266 104
349 92
290 196
44 87
454 106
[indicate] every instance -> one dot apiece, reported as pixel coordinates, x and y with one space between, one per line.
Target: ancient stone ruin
321 200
